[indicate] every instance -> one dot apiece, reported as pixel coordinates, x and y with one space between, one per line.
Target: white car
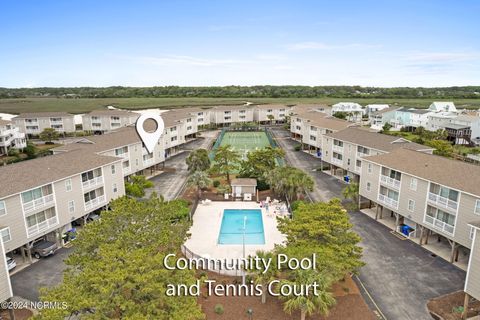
11 264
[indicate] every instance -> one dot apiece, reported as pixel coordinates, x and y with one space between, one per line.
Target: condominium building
353 110
309 128
5 285
10 137
226 115
472 282
271 113
35 123
100 121
372 108
428 193
344 149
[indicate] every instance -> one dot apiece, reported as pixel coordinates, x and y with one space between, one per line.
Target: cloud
439 57
312 45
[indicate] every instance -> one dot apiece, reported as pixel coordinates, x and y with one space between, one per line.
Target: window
313 138
37 193
369 186
68 185
3 209
348 161
312 128
173 129
189 128
369 168
120 151
136 162
71 206
90 175
411 205
413 184
363 150
189 120
115 189
173 138
472 233
5 234
113 169
477 207
269 110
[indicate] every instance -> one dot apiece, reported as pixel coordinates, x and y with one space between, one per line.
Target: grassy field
17 106
244 142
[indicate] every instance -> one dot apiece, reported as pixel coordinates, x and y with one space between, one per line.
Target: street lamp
244 230
250 313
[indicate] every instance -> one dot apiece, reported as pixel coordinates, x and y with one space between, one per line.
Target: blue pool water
231 230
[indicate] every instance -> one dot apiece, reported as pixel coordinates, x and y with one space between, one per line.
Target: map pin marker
150 138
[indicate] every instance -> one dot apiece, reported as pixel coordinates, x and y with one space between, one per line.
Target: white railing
337 161
125 155
358 169
56 122
126 169
388 201
94 202
390 181
42 226
38 203
337 148
148 161
361 154
439 225
92 182
442 201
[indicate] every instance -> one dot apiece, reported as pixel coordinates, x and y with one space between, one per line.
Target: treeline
244 92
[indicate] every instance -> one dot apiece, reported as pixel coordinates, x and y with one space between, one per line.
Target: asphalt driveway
399 275
47 272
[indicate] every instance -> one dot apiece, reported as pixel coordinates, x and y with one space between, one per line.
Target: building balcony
337 148
361 154
337 161
92 204
92 182
42 226
439 225
387 201
358 169
390 182
126 170
39 203
148 162
442 201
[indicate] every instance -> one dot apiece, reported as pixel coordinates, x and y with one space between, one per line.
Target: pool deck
206 227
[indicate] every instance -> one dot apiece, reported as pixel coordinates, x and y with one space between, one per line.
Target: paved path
170 183
400 275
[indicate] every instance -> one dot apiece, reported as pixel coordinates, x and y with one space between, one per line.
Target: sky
215 43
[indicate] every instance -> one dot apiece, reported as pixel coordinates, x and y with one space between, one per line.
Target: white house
354 110
371 108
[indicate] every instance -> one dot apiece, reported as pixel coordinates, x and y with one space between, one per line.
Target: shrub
298 147
13 153
262 185
296 204
216 183
219 309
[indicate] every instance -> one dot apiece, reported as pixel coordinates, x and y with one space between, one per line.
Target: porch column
428 235
466 302
397 219
452 252
422 229
376 212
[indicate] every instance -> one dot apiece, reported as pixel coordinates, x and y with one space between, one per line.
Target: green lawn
85 105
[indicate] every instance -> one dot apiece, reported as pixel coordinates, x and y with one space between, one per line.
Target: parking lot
400 276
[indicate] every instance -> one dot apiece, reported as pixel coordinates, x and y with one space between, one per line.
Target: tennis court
244 142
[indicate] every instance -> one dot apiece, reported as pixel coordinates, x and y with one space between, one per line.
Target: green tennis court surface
244 142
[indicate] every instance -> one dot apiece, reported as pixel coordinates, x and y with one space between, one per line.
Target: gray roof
4 122
418 111
451 173
375 140
322 120
33 173
43 114
475 224
113 112
244 182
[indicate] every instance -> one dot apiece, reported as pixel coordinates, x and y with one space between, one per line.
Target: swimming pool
233 223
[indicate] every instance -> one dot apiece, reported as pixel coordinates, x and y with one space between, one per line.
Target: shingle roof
4 122
112 112
451 173
29 174
271 106
391 109
375 140
323 120
233 107
244 182
43 114
475 224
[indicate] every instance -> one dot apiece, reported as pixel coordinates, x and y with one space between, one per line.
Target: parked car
93 217
43 248
11 263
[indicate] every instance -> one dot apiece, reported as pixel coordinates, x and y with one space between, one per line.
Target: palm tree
264 276
289 182
309 303
198 160
351 192
199 180
226 160
271 118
